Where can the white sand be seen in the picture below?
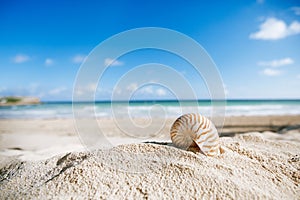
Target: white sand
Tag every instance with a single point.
(252, 167)
(39, 139)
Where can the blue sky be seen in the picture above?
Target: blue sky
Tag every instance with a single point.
(254, 44)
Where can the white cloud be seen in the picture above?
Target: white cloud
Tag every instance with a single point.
(78, 58)
(296, 10)
(49, 62)
(147, 90)
(112, 62)
(276, 63)
(298, 76)
(117, 91)
(150, 90)
(271, 72)
(92, 87)
(132, 87)
(86, 90)
(20, 58)
(57, 91)
(274, 29)
(161, 92)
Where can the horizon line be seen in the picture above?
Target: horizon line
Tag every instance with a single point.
(176, 100)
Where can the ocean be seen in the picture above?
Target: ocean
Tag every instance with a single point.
(50, 110)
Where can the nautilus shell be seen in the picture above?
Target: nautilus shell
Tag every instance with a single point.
(192, 130)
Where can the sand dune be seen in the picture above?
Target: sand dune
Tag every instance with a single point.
(253, 166)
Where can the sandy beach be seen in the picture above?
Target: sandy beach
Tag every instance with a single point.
(44, 158)
(154, 100)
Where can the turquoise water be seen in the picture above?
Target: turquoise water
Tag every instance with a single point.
(145, 108)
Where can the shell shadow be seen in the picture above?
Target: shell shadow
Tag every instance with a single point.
(194, 148)
(160, 143)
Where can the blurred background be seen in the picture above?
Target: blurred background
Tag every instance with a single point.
(253, 44)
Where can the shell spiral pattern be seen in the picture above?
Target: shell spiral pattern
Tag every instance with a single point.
(192, 130)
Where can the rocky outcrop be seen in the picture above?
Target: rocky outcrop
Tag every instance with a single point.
(17, 100)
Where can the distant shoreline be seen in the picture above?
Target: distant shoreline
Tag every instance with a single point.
(22, 100)
(42, 109)
(19, 101)
(173, 100)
